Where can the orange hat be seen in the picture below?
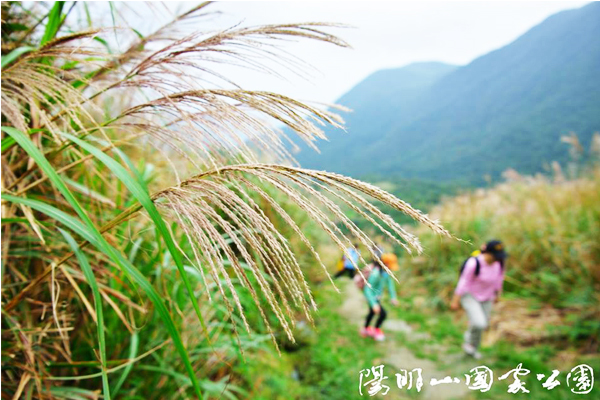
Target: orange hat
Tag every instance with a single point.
(390, 260)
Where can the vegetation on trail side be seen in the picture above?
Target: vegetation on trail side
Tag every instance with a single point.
(547, 318)
(145, 248)
(551, 228)
(544, 323)
(551, 297)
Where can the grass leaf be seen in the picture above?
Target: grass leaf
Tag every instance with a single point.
(91, 231)
(89, 276)
(138, 188)
(54, 21)
(133, 350)
(13, 55)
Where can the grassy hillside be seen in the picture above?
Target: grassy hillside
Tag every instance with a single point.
(509, 107)
(377, 104)
(551, 231)
(421, 194)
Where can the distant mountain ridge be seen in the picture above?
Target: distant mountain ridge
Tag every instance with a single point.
(505, 109)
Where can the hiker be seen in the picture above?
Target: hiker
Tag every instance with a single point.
(378, 279)
(479, 285)
(348, 262)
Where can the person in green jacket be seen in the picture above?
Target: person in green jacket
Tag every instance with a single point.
(379, 280)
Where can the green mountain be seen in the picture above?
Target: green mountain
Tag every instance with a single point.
(508, 108)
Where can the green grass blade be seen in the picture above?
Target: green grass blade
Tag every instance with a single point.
(8, 142)
(78, 227)
(66, 219)
(133, 350)
(113, 11)
(104, 43)
(134, 170)
(54, 21)
(165, 371)
(25, 142)
(88, 15)
(92, 194)
(72, 393)
(139, 190)
(16, 53)
(89, 276)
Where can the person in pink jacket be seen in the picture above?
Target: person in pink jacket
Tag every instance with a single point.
(478, 287)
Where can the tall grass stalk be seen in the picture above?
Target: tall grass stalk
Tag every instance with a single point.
(134, 197)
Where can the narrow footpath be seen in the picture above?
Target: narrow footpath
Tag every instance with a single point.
(398, 356)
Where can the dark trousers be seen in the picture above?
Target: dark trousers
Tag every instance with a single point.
(382, 316)
(350, 271)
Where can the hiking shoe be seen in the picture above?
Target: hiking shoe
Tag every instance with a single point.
(367, 332)
(378, 335)
(469, 349)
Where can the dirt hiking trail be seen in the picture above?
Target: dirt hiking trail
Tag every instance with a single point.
(397, 356)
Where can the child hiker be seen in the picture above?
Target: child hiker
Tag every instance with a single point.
(348, 267)
(378, 280)
(479, 285)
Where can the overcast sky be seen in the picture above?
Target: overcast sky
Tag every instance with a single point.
(385, 35)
